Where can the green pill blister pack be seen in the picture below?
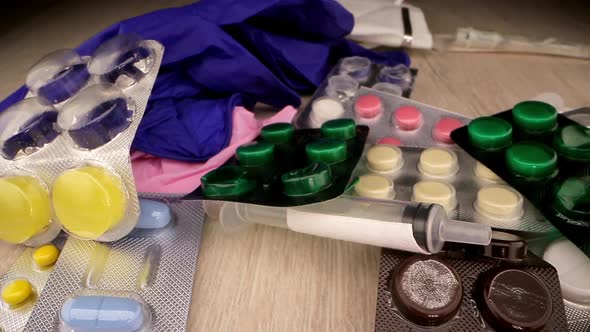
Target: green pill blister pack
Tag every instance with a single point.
(542, 154)
(288, 167)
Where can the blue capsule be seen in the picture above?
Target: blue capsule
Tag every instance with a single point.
(154, 214)
(103, 313)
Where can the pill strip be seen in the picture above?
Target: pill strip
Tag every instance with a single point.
(140, 264)
(465, 183)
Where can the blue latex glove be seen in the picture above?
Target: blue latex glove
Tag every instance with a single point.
(223, 53)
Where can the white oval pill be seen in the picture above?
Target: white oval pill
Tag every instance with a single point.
(573, 268)
(374, 186)
(438, 162)
(435, 192)
(324, 109)
(384, 158)
(499, 202)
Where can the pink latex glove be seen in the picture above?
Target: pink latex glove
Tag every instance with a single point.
(154, 174)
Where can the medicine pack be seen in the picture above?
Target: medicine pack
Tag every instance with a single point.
(542, 154)
(393, 119)
(288, 167)
(140, 283)
(500, 287)
(450, 177)
(65, 148)
(334, 97)
(24, 282)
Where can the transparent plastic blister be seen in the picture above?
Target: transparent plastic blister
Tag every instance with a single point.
(581, 116)
(467, 193)
(58, 76)
(463, 290)
(86, 139)
(97, 284)
(344, 82)
(34, 270)
(390, 117)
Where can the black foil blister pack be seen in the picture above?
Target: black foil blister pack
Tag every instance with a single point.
(468, 290)
(543, 155)
(288, 167)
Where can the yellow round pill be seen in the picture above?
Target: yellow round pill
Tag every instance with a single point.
(374, 186)
(26, 211)
(17, 292)
(46, 255)
(89, 201)
(438, 162)
(435, 192)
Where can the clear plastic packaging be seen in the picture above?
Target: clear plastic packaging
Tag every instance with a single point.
(26, 127)
(91, 128)
(26, 209)
(399, 75)
(122, 60)
(342, 87)
(357, 67)
(58, 76)
(96, 116)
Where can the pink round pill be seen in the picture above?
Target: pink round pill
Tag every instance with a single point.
(368, 106)
(442, 130)
(407, 118)
(389, 141)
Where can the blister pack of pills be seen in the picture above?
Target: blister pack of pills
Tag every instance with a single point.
(344, 82)
(542, 154)
(494, 288)
(23, 283)
(393, 119)
(288, 167)
(65, 149)
(465, 188)
(140, 283)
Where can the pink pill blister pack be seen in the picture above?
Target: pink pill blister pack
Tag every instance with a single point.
(392, 119)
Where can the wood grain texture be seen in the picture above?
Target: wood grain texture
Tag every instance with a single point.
(269, 279)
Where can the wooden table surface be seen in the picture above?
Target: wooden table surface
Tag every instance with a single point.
(269, 279)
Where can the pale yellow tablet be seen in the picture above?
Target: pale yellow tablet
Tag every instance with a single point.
(438, 162)
(435, 192)
(485, 173)
(374, 186)
(499, 202)
(383, 158)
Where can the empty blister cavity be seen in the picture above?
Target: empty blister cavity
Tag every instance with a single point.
(342, 87)
(122, 60)
(90, 200)
(325, 109)
(58, 76)
(572, 197)
(374, 186)
(499, 202)
(105, 312)
(26, 210)
(390, 88)
(357, 67)
(436, 192)
(96, 116)
(398, 75)
(384, 159)
(438, 162)
(427, 291)
(26, 127)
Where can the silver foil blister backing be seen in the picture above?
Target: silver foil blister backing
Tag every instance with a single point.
(159, 265)
(24, 268)
(466, 184)
(61, 154)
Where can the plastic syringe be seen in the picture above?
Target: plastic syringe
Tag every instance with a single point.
(415, 227)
